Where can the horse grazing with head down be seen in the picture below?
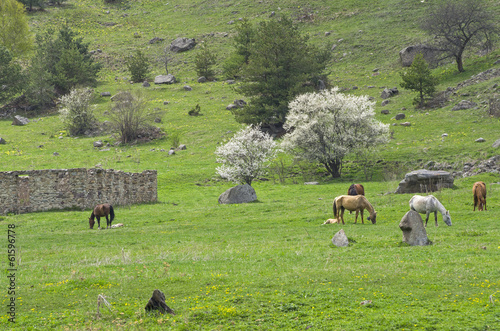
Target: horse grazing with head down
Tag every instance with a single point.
(102, 210)
(356, 189)
(479, 191)
(356, 203)
(430, 204)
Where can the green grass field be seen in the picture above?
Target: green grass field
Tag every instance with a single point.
(268, 264)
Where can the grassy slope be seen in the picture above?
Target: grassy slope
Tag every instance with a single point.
(267, 264)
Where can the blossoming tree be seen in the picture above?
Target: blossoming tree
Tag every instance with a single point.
(326, 126)
(246, 155)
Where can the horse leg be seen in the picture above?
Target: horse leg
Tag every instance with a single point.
(356, 219)
(342, 214)
(436, 217)
(426, 218)
(362, 221)
(98, 222)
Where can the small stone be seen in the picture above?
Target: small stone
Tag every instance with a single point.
(340, 239)
(480, 140)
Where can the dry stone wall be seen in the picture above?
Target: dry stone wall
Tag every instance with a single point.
(40, 190)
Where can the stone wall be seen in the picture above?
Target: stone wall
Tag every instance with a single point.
(39, 190)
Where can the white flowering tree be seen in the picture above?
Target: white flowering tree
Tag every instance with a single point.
(246, 155)
(77, 113)
(324, 127)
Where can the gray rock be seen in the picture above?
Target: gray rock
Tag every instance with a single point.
(480, 140)
(2, 141)
(340, 239)
(202, 79)
(405, 124)
(407, 54)
(321, 85)
(181, 147)
(165, 79)
(422, 181)
(20, 121)
(385, 102)
(384, 111)
(238, 194)
(311, 183)
(105, 94)
(464, 104)
(55, 154)
(389, 92)
(230, 81)
(171, 152)
(496, 144)
(182, 44)
(400, 116)
(157, 120)
(414, 232)
(146, 84)
(98, 144)
(188, 88)
(155, 40)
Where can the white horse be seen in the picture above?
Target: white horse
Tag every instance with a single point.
(428, 204)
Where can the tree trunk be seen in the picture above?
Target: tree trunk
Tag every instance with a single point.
(460, 64)
(334, 168)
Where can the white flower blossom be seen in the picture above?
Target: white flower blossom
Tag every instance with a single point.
(246, 155)
(324, 127)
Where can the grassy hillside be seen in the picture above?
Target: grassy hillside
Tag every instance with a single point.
(268, 264)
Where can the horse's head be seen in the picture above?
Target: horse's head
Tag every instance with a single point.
(373, 217)
(91, 223)
(447, 218)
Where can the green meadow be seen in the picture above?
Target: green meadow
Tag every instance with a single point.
(268, 264)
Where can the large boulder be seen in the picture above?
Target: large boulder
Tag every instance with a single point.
(464, 104)
(20, 121)
(182, 44)
(422, 181)
(340, 239)
(413, 229)
(165, 79)
(238, 194)
(389, 92)
(407, 54)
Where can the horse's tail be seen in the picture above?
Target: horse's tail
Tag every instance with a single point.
(335, 208)
(111, 213)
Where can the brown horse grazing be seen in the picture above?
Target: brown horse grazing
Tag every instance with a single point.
(100, 211)
(479, 190)
(356, 189)
(356, 203)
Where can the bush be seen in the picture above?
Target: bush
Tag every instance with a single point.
(129, 116)
(77, 113)
(138, 65)
(11, 78)
(204, 62)
(246, 155)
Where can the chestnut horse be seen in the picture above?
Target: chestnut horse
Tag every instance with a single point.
(479, 190)
(356, 203)
(100, 211)
(356, 189)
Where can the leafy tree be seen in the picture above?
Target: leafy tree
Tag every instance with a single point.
(11, 77)
(129, 115)
(456, 25)
(61, 63)
(419, 78)
(138, 65)
(245, 36)
(281, 65)
(324, 127)
(14, 29)
(246, 156)
(77, 112)
(204, 62)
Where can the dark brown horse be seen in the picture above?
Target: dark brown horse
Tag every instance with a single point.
(479, 190)
(356, 189)
(100, 211)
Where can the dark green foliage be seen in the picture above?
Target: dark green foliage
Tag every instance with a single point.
(419, 78)
(60, 64)
(204, 62)
(245, 35)
(32, 3)
(138, 65)
(11, 77)
(232, 66)
(281, 66)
